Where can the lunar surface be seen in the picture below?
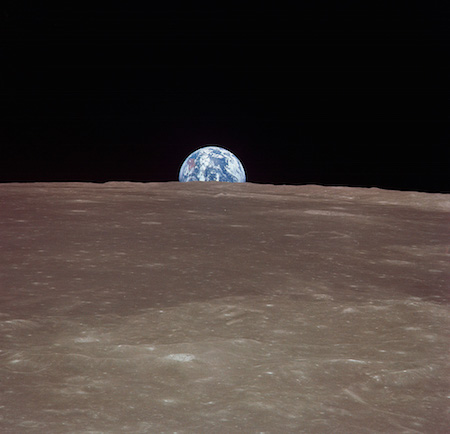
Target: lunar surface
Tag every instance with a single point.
(223, 308)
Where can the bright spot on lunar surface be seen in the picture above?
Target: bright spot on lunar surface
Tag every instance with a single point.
(212, 163)
(215, 307)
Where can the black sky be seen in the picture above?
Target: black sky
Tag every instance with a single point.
(337, 93)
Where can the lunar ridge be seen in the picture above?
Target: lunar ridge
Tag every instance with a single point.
(223, 307)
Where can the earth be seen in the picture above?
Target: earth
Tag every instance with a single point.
(212, 163)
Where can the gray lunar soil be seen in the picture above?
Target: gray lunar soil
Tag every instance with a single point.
(223, 308)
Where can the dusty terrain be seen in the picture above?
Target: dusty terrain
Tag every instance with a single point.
(222, 308)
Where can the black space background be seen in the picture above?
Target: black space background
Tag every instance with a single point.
(336, 93)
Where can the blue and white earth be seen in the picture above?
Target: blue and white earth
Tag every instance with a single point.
(212, 163)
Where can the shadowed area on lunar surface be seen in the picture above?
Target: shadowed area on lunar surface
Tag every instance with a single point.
(216, 307)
